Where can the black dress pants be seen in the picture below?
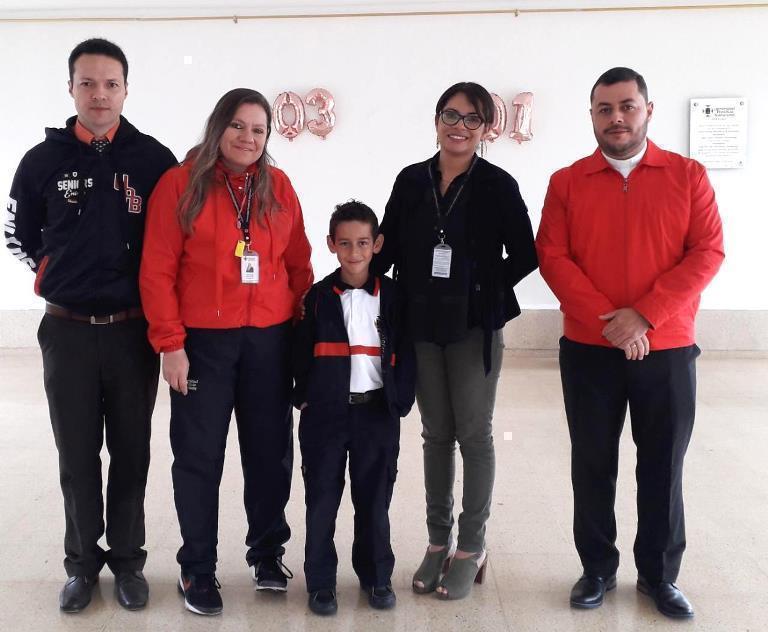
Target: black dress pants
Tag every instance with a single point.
(246, 370)
(371, 436)
(598, 384)
(100, 380)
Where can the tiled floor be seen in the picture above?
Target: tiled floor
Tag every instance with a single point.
(532, 560)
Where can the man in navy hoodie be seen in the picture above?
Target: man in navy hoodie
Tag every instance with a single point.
(76, 218)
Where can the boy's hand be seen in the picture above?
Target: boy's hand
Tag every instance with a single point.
(301, 310)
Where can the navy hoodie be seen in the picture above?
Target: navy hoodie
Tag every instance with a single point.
(76, 216)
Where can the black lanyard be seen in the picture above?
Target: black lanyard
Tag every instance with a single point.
(243, 218)
(441, 216)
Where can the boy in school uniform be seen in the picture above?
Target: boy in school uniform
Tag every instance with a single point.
(355, 377)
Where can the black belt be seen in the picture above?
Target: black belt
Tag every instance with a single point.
(367, 397)
(63, 312)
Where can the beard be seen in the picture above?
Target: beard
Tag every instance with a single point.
(621, 150)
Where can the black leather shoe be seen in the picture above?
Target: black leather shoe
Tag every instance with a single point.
(590, 590)
(76, 593)
(670, 601)
(380, 597)
(323, 602)
(131, 589)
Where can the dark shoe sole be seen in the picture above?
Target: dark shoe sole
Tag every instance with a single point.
(132, 607)
(591, 606)
(73, 610)
(323, 609)
(643, 588)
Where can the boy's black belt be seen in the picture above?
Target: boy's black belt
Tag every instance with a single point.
(367, 397)
(63, 312)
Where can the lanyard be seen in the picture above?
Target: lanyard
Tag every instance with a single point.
(243, 219)
(440, 216)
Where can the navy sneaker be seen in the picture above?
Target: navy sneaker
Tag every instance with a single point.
(271, 574)
(323, 602)
(380, 597)
(201, 593)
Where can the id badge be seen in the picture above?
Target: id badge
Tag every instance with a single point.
(249, 267)
(441, 261)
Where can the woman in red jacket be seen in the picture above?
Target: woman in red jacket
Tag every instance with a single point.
(225, 264)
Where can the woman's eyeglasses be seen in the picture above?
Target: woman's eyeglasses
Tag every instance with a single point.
(452, 117)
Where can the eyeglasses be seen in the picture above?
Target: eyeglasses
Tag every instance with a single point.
(452, 117)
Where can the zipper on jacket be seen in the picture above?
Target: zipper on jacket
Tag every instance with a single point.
(625, 189)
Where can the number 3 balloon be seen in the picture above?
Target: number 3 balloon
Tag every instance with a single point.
(323, 100)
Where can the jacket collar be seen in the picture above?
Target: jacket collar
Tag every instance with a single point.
(654, 157)
(222, 171)
(371, 286)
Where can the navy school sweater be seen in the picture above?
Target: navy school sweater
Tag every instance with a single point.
(322, 379)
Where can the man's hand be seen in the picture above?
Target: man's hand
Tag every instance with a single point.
(624, 327)
(637, 349)
(176, 370)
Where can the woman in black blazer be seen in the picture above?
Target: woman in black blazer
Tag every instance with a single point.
(458, 235)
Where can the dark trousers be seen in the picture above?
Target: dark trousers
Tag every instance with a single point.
(246, 370)
(598, 384)
(100, 380)
(371, 436)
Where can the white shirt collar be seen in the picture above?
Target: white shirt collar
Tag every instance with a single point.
(625, 167)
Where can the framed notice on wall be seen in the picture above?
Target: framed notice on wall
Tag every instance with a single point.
(719, 132)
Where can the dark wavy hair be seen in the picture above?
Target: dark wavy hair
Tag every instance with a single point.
(478, 96)
(618, 75)
(206, 153)
(353, 211)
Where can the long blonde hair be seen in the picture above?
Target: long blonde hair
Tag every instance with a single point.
(205, 155)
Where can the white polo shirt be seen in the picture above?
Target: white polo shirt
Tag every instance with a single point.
(361, 309)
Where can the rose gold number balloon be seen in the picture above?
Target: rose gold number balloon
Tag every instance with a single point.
(293, 101)
(522, 111)
(323, 125)
(499, 119)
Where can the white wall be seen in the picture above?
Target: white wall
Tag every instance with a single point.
(386, 74)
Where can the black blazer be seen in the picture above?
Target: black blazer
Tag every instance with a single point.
(498, 223)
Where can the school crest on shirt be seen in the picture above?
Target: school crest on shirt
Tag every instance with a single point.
(132, 199)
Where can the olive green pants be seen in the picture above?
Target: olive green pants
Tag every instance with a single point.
(456, 399)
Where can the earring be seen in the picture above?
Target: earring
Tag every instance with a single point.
(482, 148)
(437, 142)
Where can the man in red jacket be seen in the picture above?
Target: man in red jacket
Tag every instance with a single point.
(629, 238)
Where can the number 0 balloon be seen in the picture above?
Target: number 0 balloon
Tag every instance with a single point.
(288, 100)
(499, 119)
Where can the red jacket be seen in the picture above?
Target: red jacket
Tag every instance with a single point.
(194, 280)
(651, 242)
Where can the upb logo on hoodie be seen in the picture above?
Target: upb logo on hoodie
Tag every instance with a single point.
(132, 200)
(71, 185)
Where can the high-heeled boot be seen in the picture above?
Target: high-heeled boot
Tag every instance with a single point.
(434, 564)
(462, 573)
